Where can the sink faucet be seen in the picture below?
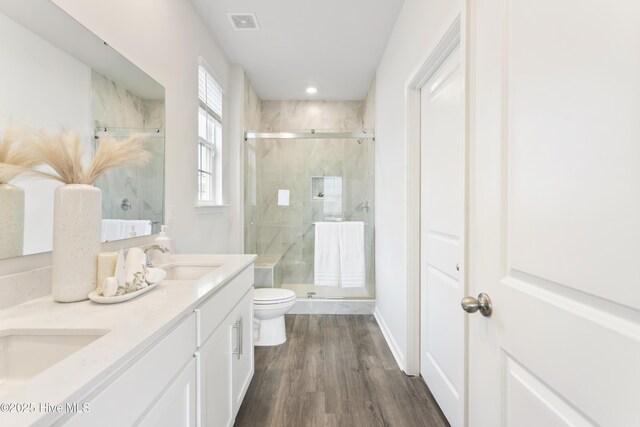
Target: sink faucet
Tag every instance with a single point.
(160, 248)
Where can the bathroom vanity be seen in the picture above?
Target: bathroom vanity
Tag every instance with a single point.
(180, 355)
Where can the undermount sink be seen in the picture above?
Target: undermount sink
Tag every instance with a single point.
(25, 353)
(188, 271)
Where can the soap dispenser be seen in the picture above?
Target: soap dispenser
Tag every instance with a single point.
(163, 239)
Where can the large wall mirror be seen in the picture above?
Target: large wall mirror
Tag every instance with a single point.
(55, 74)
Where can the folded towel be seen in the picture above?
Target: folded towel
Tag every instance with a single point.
(352, 264)
(113, 229)
(141, 227)
(118, 229)
(327, 255)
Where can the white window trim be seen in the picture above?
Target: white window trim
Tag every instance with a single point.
(217, 205)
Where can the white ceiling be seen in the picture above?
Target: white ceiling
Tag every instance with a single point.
(334, 45)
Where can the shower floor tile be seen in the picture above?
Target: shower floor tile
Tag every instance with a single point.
(302, 291)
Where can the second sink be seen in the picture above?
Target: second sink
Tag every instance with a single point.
(24, 353)
(188, 271)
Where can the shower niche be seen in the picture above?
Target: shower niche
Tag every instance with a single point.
(326, 191)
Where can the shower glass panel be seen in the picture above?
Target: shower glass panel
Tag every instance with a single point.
(293, 183)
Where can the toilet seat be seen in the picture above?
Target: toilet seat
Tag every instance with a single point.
(267, 296)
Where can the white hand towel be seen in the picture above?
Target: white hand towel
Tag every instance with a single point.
(327, 254)
(352, 264)
(113, 229)
(141, 227)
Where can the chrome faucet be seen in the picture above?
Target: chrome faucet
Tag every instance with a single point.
(160, 248)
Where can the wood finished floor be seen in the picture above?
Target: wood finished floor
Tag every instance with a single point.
(334, 370)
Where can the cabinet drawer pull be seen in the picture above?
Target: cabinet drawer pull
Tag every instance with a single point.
(237, 349)
(240, 337)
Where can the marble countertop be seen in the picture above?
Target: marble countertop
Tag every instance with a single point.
(132, 325)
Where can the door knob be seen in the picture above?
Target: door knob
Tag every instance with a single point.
(483, 303)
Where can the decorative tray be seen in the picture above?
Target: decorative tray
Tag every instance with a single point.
(93, 296)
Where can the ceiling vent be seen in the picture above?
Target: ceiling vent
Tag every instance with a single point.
(243, 21)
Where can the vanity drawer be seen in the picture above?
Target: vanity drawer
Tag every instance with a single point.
(213, 311)
(134, 391)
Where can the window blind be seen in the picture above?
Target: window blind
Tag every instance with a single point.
(209, 92)
(210, 97)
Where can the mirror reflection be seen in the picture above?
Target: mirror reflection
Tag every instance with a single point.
(55, 74)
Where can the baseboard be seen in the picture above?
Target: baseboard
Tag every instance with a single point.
(395, 349)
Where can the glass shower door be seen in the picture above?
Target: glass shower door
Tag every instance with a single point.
(290, 185)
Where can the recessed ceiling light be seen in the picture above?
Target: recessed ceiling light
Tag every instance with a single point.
(311, 90)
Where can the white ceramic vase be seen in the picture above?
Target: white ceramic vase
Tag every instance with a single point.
(11, 221)
(77, 225)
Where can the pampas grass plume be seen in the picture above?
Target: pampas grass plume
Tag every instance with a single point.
(62, 152)
(13, 160)
(112, 153)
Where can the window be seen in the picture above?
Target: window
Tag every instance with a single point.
(210, 97)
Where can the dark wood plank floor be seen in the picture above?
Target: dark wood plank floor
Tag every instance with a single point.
(334, 370)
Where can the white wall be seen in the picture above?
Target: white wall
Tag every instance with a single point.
(164, 38)
(417, 29)
(235, 108)
(36, 93)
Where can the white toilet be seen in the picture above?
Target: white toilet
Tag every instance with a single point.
(269, 307)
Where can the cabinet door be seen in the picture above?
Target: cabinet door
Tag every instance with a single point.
(214, 362)
(243, 360)
(177, 404)
(132, 393)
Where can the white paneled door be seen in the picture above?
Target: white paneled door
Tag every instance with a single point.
(442, 332)
(555, 212)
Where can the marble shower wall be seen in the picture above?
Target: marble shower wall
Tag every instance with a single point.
(282, 116)
(114, 107)
(290, 165)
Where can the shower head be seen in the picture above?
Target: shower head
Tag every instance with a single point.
(364, 206)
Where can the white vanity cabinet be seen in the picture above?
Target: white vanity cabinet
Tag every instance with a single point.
(225, 358)
(243, 360)
(177, 404)
(215, 382)
(195, 375)
(160, 374)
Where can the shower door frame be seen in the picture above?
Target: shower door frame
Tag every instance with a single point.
(311, 134)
